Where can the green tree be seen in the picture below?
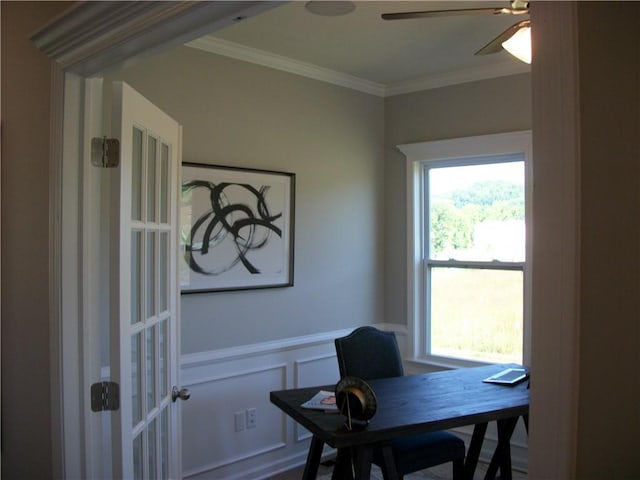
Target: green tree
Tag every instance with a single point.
(487, 193)
(454, 216)
(450, 227)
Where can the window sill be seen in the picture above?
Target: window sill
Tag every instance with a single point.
(434, 363)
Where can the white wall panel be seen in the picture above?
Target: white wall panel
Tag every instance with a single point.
(233, 380)
(210, 440)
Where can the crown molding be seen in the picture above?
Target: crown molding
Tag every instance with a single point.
(253, 55)
(445, 79)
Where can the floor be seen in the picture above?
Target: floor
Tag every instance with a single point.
(442, 472)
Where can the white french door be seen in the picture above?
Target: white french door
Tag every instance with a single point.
(144, 325)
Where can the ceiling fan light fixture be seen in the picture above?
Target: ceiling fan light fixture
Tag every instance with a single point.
(519, 44)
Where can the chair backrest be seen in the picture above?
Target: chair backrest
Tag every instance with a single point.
(369, 353)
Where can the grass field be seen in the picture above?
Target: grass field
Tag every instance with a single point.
(477, 314)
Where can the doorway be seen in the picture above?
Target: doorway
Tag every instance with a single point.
(75, 393)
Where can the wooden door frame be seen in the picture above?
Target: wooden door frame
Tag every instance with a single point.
(85, 42)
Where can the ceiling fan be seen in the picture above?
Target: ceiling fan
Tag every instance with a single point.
(519, 32)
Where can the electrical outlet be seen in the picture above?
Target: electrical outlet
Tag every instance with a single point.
(239, 421)
(252, 419)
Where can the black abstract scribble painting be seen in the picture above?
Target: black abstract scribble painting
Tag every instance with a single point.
(248, 225)
(236, 228)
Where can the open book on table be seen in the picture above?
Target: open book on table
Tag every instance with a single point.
(323, 400)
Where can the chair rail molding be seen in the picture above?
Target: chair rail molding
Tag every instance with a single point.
(193, 360)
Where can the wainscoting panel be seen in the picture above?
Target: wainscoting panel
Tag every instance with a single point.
(217, 442)
(212, 440)
(227, 382)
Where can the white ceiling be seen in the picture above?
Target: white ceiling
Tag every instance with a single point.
(362, 51)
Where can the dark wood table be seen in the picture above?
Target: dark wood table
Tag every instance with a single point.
(411, 405)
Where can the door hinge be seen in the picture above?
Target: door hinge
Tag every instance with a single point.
(105, 152)
(105, 396)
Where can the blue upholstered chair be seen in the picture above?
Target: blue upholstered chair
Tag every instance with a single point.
(369, 353)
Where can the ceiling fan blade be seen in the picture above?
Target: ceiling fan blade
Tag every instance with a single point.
(445, 13)
(495, 45)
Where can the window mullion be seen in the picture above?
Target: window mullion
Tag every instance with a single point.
(497, 265)
(426, 311)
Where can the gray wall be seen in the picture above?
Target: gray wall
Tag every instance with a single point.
(27, 449)
(586, 265)
(334, 139)
(240, 114)
(609, 338)
(478, 108)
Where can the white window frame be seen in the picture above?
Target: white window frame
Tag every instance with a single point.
(419, 154)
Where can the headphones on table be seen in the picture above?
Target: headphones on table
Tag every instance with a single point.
(356, 401)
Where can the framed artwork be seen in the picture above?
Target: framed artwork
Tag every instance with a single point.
(236, 228)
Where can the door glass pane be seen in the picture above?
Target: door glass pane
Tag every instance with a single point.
(151, 436)
(151, 274)
(163, 267)
(150, 368)
(164, 358)
(164, 444)
(136, 378)
(136, 175)
(476, 212)
(137, 457)
(164, 183)
(136, 275)
(151, 179)
(477, 314)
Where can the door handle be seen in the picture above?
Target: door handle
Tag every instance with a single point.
(182, 394)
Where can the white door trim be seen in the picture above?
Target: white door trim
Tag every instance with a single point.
(94, 37)
(556, 247)
(63, 338)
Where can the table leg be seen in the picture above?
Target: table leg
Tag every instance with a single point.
(502, 456)
(363, 462)
(342, 470)
(473, 453)
(388, 466)
(313, 459)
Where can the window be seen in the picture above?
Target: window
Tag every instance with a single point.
(469, 282)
